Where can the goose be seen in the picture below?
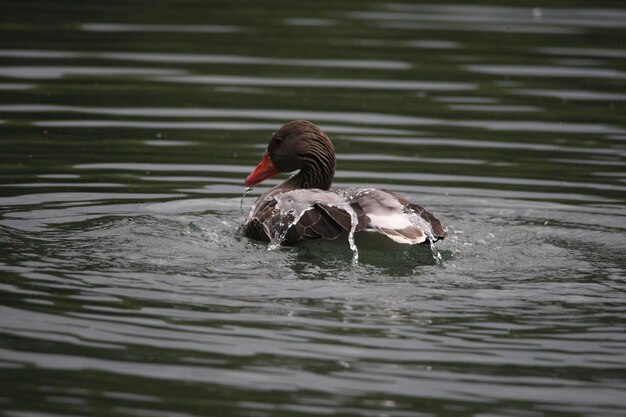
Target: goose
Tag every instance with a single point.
(304, 206)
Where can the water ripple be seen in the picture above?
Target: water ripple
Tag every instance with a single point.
(546, 71)
(473, 143)
(206, 59)
(125, 27)
(229, 126)
(128, 287)
(54, 72)
(264, 114)
(573, 94)
(319, 83)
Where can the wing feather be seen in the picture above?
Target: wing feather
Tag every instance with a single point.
(376, 210)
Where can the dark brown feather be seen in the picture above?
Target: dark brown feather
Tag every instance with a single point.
(340, 216)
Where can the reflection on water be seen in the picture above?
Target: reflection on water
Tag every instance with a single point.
(128, 288)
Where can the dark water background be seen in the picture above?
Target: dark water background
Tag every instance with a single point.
(126, 288)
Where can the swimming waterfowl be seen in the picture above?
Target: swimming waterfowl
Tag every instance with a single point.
(304, 207)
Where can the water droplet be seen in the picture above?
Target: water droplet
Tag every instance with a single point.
(436, 255)
(354, 221)
(245, 192)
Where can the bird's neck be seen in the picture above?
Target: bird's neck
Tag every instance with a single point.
(313, 175)
(306, 179)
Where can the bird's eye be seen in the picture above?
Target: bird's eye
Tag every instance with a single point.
(278, 140)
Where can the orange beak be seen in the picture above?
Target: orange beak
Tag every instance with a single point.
(263, 171)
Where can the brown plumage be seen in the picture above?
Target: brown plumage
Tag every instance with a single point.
(320, 213)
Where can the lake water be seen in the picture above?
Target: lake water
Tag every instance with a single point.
(127, 288)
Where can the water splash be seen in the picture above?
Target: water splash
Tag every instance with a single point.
(292, 205)
(296, 204)
(277, 239)
(354, 221)
(425, 226)
(436, 254)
